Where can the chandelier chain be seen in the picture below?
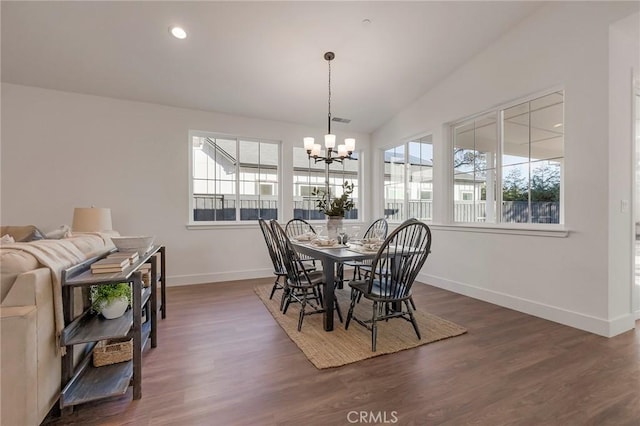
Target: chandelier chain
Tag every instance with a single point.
(329, 116)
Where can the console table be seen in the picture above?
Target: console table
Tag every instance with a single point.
(81, 381)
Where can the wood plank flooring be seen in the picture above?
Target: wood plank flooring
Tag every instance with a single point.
(223, 360)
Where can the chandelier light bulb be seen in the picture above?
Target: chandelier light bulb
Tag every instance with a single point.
(330, 141)
(350, 143)
(308, 143)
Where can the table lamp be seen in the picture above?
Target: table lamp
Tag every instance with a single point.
(91, 219)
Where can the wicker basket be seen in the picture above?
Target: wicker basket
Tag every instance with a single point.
(106, 353)
(146, 274)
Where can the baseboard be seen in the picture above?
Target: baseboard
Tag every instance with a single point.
(600, 326)
(180, 280)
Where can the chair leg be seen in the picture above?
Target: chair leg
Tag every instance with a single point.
(340, 274)
(304, 304)
(287, 301)
(413, 305)
(285, 295)
(374, 327)
(275, 287)
(350, 313)
(413, 320)
(320, 297)
(337, 305)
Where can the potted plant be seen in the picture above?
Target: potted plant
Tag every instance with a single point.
(111, 300)
(334, 208)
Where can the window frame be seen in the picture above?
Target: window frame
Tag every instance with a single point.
(406, 167)
(237, 222)
(449, 131)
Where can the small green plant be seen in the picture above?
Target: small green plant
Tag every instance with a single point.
(339, 205)
(106, 293)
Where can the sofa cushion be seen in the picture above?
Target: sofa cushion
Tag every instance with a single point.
(7, 239)
(22, 234)
(12, 264)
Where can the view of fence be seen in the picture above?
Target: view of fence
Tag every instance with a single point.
(468, 211)
(218, 208)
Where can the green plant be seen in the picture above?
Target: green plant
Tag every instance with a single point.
(106, 293)
(337, 206)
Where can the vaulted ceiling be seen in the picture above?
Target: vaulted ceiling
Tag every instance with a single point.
(253, 59)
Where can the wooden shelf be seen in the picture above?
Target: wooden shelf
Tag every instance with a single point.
(90, 327)
(93, 383)
(83, 381)
(98, 382)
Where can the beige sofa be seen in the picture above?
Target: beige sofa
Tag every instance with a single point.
(30, 359)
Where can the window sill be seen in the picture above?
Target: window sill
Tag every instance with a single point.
(223, 225)
(556, 231)
(254, 224)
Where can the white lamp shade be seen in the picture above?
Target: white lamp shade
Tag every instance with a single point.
(308, 143)
(329, 141)
(350, 144)
(315, 151)
(342, 150)
(91, 219)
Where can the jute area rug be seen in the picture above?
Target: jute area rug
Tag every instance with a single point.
(340, 346)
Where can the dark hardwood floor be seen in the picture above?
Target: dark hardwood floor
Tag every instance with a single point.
(223, 360)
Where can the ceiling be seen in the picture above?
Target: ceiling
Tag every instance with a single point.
(252, 59)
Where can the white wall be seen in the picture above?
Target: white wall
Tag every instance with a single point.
(563, 279)
(624, 63)
(64, 150)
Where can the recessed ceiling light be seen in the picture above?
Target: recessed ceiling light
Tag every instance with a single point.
(178, 32)
(366, 21)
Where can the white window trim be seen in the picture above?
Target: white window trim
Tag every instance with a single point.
(556, 229)
(191, 224)
(405, 142)
(538, 230)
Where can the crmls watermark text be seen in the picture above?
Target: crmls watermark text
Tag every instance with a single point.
(372, 417)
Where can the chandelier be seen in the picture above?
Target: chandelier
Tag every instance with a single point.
(343, 151)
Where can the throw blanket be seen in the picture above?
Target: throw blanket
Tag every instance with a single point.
(55, 255)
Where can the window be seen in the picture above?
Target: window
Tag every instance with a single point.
(408, 180)
(233, 179)
(308, 175)
(519, 148)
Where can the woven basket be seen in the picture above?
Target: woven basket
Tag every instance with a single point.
(106, 353)
(146, 274)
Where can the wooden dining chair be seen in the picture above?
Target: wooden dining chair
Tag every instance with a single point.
(379, 227)
(278, 264)
(295, 228)
(303, 286)
(393, 272)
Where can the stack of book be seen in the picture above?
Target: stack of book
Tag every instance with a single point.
(131, 255)
(115, 262)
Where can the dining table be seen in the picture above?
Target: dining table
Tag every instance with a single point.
(330, 256)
